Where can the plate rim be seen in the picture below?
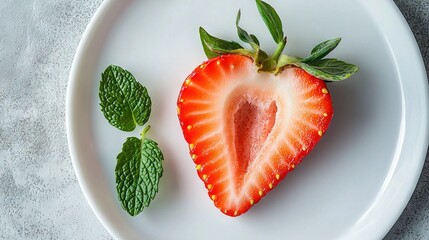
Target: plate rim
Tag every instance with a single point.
(404, 31)
(96, 19)
(370, 232)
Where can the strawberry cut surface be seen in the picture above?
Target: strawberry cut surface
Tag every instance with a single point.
(247, 129)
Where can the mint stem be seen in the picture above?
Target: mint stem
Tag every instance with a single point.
(145, 130)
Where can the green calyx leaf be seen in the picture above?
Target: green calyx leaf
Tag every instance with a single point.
(321, 50)
(271, 19)
(329, 69)
(214, 46)
(138, 172)
(315, 64)
(124, 102)
(244, 36)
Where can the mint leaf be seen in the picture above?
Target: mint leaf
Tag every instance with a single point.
(138, 172)
(329, 69)
(214, 46)
(124, 102)
(271, 19)
(321, 50)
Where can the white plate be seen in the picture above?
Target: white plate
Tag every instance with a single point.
(354, 185)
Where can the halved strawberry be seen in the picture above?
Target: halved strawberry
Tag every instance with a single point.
(247, 129)
(250, 118)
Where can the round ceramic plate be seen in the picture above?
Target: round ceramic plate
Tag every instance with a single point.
(355, 183)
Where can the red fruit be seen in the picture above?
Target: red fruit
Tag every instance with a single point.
(247, 129)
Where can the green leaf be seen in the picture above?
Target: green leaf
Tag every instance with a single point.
(255, 39)
(124, 102)
(329, 69)
(271, 19)
(138, 172)
(214, 46)
(244, 36)
(322, 49)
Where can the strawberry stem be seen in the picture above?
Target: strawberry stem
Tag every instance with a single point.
(280, 47)
(270, 64)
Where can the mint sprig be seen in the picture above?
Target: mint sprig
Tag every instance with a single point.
(138, 171)
(125, 103)
(315, 64)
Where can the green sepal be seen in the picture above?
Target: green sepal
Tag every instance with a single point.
(329, 69)
(244, 36)
(321, 50)
(255, 40)
(214, 46)
(325, 69)
(271, 19)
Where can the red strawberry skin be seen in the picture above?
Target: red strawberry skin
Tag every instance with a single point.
(247, 129)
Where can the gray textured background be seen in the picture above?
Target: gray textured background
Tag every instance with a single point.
(39, 195)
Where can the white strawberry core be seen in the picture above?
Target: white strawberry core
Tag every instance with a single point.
(253, 116)
(252, 123)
